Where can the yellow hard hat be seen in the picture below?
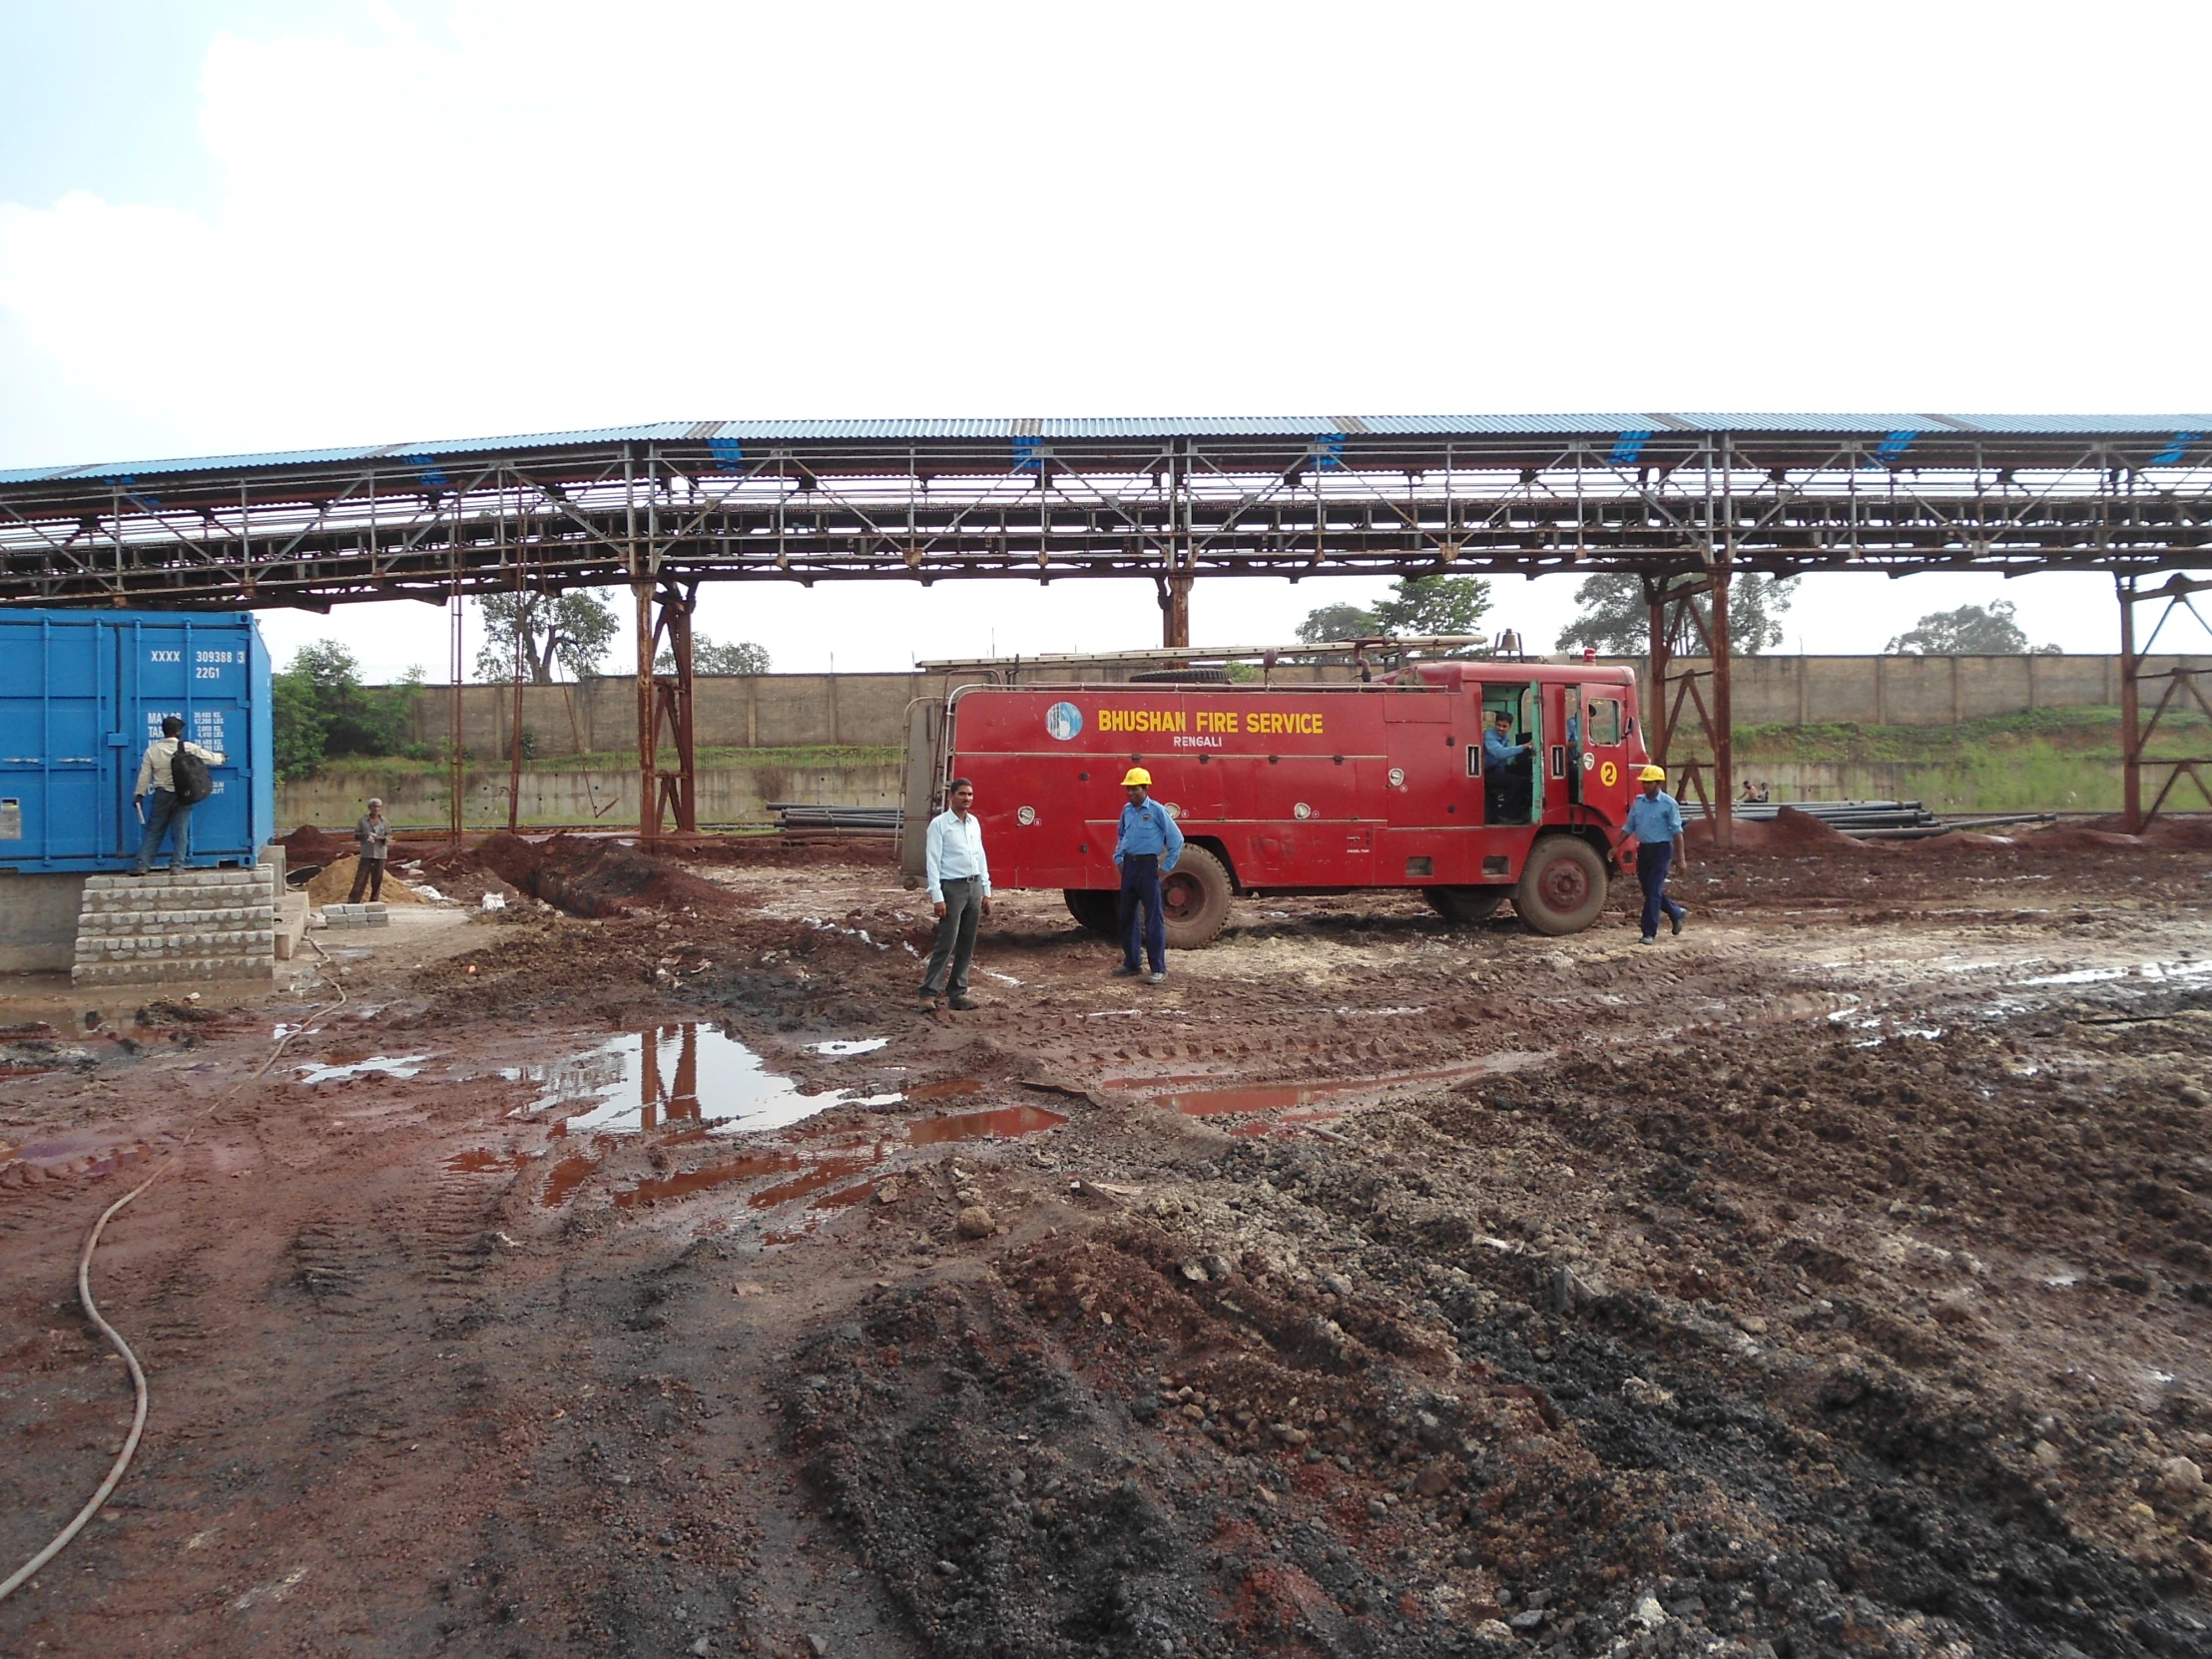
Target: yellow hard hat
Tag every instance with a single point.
(1652, 775)
(1137, 774)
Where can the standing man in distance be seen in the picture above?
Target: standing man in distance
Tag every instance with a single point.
(1655, 821)
(373, 835)
(1145, 848)
(168, 812)
(959, 893)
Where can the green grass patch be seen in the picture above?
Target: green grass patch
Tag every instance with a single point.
(2048, 759)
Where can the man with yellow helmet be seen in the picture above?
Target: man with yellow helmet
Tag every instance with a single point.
(1654, 821)
(1145, 848)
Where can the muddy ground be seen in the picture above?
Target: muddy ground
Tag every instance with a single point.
(1835, 1278)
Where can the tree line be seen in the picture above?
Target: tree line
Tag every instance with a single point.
(1615, 619)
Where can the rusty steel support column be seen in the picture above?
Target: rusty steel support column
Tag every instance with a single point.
(676, 794)
(1175, 589)
(649, 759)
(1723, 732)
(1656, 722)
(2131, 712)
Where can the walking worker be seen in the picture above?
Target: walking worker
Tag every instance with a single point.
(959, 891)
(373, 835)
(1145, 847)
(170, 810)
(1654, 821)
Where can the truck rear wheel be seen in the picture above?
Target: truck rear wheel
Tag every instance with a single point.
(1196, 894)
(1096, 910)
(1464, 906)
(1561, 887)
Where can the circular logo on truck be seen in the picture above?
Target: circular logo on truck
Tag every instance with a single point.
(1063, 721)
(1026, 815)
(1609, 775)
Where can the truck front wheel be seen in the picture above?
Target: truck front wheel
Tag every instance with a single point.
(1561, 887)
(1196, 894)
(1464, 906)
(1096, 910)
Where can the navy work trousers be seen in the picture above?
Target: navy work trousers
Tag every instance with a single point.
(165, 812)
(1652, 863)
(1144, 920)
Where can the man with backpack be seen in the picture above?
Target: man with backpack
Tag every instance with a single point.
(1146, 848)
(176, 771)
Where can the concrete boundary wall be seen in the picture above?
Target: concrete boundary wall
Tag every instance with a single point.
(790, 711)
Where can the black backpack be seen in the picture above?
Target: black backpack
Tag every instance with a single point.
(189, 773)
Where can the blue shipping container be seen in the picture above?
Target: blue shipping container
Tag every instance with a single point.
(81, 693)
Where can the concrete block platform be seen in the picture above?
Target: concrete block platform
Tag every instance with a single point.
(191, 924)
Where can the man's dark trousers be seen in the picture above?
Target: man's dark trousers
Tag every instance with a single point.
(963, 903)
(1652, 864)
(1144, 918)
(164, 811)
(368, 874)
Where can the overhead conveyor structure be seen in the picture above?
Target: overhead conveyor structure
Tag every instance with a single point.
(1683, 501)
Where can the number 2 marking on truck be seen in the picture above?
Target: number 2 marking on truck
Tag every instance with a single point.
(1609, 774)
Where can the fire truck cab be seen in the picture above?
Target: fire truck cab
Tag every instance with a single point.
(1307, 789)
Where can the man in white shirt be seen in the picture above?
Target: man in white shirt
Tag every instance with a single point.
(167, 812)
(959, 891)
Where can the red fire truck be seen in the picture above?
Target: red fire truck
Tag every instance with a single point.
(1314, 788)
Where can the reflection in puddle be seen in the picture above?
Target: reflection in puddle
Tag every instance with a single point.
(688, 1073)
(405, 1065)
(840, 1049)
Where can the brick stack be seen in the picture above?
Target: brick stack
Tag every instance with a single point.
(182, 925)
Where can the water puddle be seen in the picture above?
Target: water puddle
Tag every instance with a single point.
(1008, 1123)
(2142, 970)
(81, 1156)
(1285, 1097)
(948, 1090)
(812, 1175)
(841, 1047)
(679, 1074)
(405, 1065)
(567, 1175)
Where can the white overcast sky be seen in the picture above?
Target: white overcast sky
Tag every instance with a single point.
(245, 223)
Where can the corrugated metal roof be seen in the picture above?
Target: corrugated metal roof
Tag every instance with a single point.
(1079, 428)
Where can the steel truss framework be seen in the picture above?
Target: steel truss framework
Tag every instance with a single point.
(662, 509)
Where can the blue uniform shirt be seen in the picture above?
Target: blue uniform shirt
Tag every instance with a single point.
(1149, 828)
(1497, 751)
(1653, 819)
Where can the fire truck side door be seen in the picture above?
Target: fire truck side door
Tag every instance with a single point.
(1604, 745)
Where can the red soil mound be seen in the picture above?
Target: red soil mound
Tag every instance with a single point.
(310, 845)
(587, 875)
(1788, 832)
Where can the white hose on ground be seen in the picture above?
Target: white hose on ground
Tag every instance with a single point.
(61, 1540)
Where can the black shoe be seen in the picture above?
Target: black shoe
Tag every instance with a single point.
(1125, 971)
(1676, 923)
(961, 1004)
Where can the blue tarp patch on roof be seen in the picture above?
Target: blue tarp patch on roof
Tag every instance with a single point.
(2179, 430)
